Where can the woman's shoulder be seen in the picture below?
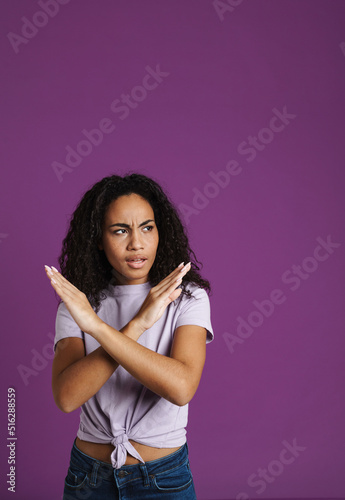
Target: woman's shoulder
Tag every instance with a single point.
(196, 293)
(195, 309)
(195, 289)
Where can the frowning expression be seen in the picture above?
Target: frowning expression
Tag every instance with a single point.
(130, 239)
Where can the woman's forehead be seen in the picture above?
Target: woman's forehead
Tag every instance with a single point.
(131, 207)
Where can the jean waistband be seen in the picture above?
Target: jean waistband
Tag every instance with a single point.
(127, 472)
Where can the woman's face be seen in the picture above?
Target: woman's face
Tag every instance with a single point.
(130, 239)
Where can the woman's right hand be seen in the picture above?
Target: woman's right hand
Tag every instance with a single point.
(159, 297)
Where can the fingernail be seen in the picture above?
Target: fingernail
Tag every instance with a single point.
(178, 280)
(53, 281)
(49, 271)
(54, 268)
(185, 267)
(181, 265)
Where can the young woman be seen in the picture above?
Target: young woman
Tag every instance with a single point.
(130, 342)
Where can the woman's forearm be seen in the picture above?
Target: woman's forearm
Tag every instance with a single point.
(166, 376)
(163, 375)
(81, 380)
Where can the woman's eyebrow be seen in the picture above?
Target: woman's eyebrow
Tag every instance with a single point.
(121, 224)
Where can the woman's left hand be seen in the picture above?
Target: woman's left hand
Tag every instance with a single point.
(76, 301)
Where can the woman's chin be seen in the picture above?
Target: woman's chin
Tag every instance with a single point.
(130, 277)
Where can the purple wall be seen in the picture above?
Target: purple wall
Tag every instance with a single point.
(243, 124)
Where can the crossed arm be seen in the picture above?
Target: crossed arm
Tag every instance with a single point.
(77, 377)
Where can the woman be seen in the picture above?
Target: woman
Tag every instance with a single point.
(130, 340)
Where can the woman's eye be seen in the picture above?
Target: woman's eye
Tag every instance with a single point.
(146, 229)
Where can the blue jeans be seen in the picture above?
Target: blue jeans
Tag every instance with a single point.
(169, 477)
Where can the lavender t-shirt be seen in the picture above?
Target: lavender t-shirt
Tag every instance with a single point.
(123, 408)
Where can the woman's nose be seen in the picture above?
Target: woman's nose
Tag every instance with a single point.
(135, 240)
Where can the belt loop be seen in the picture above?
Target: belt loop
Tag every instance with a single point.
(145, 475)
(93, 480)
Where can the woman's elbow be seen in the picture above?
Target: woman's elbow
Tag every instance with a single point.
(63, 402)
(63, 405)
(183, 393)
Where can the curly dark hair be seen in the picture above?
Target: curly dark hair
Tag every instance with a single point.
(87, 267)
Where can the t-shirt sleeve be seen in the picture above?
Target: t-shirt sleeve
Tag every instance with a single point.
(65, 326)
(196, 310)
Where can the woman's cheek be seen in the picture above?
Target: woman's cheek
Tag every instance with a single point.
(154, 239)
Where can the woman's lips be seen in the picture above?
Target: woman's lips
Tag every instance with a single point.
(137, 263)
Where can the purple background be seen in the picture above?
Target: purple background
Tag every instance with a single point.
(225, 73)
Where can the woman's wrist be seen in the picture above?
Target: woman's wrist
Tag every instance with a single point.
(134, 329)
(97, 329)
